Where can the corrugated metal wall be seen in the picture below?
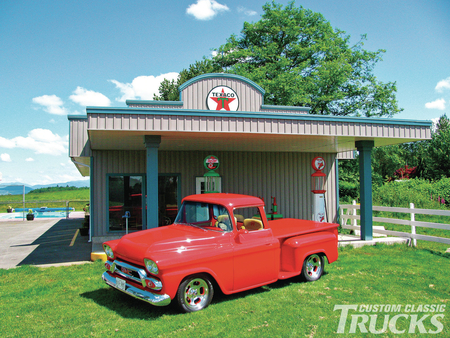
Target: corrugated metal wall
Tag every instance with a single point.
(162, 123)
(286, 176)
(79, 145)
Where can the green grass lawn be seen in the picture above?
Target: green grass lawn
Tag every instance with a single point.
(30, 199)
(73, 301)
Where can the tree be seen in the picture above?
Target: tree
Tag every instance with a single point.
(437, 160)
(300, 60)
(168, 90)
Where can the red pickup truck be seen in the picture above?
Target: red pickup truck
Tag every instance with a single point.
(217, 240)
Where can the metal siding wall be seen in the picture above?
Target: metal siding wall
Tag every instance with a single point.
(161, 122)
(79, 142)
(285, 176)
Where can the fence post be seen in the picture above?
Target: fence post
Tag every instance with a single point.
(354, 221)
(413, 227)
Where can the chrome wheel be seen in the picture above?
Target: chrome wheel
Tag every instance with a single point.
(313, 267)
(195, 293)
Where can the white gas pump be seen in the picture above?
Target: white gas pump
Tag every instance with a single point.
(318, 189)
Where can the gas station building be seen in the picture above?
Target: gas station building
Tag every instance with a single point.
(144, 158)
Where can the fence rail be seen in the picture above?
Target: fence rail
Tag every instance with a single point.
(351, 214)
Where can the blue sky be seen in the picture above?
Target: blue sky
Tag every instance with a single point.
(57, 57)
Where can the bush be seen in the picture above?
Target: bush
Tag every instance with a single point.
(423, 193)
(348, 190)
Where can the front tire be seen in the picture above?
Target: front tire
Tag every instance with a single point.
(195, 293)
(313, 267)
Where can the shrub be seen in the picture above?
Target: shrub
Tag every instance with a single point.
(423, 193)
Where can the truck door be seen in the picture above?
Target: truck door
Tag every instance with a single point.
(256, 251)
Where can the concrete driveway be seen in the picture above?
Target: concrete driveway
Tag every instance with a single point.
(43, 242)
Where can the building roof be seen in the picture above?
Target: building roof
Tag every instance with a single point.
(190, 125)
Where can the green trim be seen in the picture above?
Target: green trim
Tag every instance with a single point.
(338, 207)
(222, 76)
(256, 115)
(73, 117)
(267, 106)
(156, 103)
(92, 230)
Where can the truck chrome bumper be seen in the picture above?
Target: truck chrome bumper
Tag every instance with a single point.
(149, 297)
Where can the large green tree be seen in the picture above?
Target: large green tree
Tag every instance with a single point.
(437, 153)
(168, 90)
(300, 60)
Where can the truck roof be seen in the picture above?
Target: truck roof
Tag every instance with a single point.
(226, 199)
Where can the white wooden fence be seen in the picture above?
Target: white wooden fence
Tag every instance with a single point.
(351, 214)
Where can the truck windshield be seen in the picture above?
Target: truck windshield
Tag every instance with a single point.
(204, 215)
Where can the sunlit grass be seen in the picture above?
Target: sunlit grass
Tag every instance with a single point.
(73, 301)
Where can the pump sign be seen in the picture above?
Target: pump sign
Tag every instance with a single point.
(222, 98)
(318, 163)
(211, 162)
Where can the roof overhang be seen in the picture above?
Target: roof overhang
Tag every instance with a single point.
(125, 129)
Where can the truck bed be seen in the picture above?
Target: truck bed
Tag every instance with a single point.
(289, 227)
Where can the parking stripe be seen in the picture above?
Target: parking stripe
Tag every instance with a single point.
(74, 237)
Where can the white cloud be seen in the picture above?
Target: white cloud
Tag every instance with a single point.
(142, 87)
(242, 9)
(206, 9)
(443, 84)
(41, 141)
(29, 159)
(5, 157)
(86, 97)
(438, 104)
(51, 103)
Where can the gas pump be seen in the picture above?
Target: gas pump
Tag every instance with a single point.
(318, 189)
(212, 178)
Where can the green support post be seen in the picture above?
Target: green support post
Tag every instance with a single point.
(365, 176)
(152, 143)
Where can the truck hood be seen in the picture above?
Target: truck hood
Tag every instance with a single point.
(165, 242)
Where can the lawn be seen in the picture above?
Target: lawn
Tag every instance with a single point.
(53, 199)
(73, 301)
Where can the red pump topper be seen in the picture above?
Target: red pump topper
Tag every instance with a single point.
(318, 189)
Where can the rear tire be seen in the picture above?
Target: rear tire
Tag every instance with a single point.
(195, 293)
(313, 267)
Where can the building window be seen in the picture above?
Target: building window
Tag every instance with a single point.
(125, 194)
(200, 185)
(168, 198)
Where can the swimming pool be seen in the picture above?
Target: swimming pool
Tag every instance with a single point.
(42, 212)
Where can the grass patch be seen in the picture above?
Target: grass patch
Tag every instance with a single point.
(73, 301)
(59, 199)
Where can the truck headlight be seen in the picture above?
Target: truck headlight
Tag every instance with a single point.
(108, 251)
(151, 266)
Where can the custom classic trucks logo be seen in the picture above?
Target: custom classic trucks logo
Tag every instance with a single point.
(222, 98)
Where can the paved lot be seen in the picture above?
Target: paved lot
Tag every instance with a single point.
(42, 242)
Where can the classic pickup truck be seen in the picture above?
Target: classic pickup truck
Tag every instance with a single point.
(217, 240)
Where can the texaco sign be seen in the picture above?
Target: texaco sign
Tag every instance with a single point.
(222, 98)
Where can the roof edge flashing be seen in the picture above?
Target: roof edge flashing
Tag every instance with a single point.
(221, 75)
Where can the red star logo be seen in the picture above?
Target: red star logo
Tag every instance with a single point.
(223, 101)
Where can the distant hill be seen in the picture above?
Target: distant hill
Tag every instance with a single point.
(17, 188)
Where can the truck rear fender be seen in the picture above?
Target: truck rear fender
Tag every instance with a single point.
(295, 249)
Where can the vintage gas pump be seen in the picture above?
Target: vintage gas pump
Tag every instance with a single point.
(318, 189)
(212, 178)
